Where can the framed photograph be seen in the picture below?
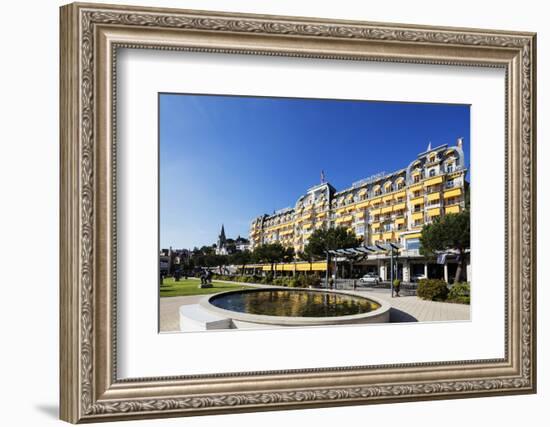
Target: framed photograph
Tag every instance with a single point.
(266, 212)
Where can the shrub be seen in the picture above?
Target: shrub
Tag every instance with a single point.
(279, 281)
(432, 289)
(267, 279)
(460, 293)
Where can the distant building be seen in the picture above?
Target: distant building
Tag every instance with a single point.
(226, 246)
(171, 259)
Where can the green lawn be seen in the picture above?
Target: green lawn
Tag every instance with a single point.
(184, 287)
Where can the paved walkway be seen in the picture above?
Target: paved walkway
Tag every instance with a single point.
(404, 309)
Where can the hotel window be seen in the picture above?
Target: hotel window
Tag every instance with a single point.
(388, 227)
(360, 229)
(416, 194)
(416, 178)
(450, 167)
(412, 244)
(432, 172)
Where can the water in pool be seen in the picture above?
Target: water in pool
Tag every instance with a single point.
(294, 303)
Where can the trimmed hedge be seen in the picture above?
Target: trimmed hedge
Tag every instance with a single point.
(432, 289)
(460, 293)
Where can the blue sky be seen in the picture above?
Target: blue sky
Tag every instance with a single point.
(228, 159)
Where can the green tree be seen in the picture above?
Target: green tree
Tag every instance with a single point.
(323, 240)
(452, 231)
(241, 258)
(271, 253)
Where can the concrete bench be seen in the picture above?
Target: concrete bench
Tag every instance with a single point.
(195, 318)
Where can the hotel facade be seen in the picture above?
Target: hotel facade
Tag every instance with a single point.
(387, 207)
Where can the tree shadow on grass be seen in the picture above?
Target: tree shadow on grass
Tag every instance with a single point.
(399, 316)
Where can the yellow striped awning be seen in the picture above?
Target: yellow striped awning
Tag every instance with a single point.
(321, 214)
(386, 209)
(415, 188)
(387, 235)
(305, 266)
(452, 193)
(387, 198)
(375, 225)
(376, 200)
(399, 206)
(306, 216)
(399, 194)
(434, 181)
(362, 205)
(434, 212)
(360, 215)
(306, 226)
(400, 221)
(266, 268)
(452, 209)
(319, 266)
(375, 211)
(417, 201)
(288, 267)
(417, 215)
(413, 236)
(433, 196)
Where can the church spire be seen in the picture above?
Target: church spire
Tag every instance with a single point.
(222, 234)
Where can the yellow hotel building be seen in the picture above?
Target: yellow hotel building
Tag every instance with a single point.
(383, 208)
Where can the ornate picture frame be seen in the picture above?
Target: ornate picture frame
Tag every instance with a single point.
(90, 37)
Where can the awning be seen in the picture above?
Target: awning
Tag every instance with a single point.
(386, 209)
(418, 201)
(387, 235)
(412, 236)
(433, 196)
(376, 200)
(400, 221)
(360, 215)
(415, 188)
(418, 215)
(452, 193)
(303, 266)
(434, 212)
(399, 206)
(362, 205)
(452, 209)
(387, 198)
(399, 194)
(319, 266)
(434, 181)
